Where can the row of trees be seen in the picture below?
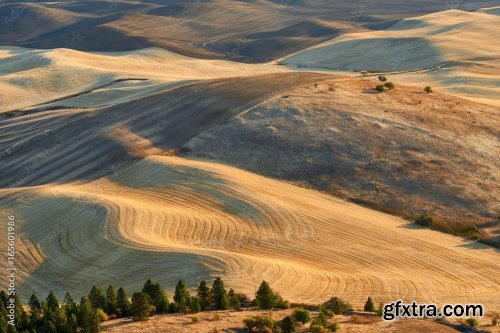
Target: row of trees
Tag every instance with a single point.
(48, 316)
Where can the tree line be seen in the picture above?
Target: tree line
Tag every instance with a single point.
(50, 316)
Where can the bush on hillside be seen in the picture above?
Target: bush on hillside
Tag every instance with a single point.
(425, 221)
(389, 85)
(472, 322)
(334, 327)
(302, 316)
(287, 325)
(317, 329)
(259, 322)
(337, 305)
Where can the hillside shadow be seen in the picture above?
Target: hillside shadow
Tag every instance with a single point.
(80, 251)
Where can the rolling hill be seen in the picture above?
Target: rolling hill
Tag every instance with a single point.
(454, 50)
(170, 218)
(237, 30)
(245, 139)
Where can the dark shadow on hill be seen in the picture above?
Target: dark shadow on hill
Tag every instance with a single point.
(97, 259)
(77, 147)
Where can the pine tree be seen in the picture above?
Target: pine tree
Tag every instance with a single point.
(69, 304)
(140, 308)
(18, 309)
(194, 305)
(60, 319)
(3, 318)
(35, 308)
(148, 287)
(72, 324)
(163, 303)
(234, 300)
(51, 328)
(182, 307)
(122, 303)
(181, 291)
(52, 303)
(4, 298)
(97, 298)
(110, 300)
(205, 296)
(265, 296)
(3, 324)
(380, 309)
(34, 304)
(156, 295)
(68, 299)
(369, 306)
(219, 295)
(24, 322)
(87, 317)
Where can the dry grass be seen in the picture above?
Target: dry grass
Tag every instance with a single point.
(403, 152)
(232, 322)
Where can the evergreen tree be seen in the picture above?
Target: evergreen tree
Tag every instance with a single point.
(148, 288)
(60, 319)
(24, 322)
(265, 296)
(52, 303)
(219, 295)
(3, 318)
(194, 305)
(69, 304)
(157, 296)
(51, 328)
(163, 303)
(140, 308)
(35, 308)
(18, 310)
(369, 306)
(172, 308)
(72, 324)
(110, 300)
(205, 296)
(380, 309)
(183, 305)
(122, 303)
(234, 300)
(181, 291)
(97, 298)
(68, 299)
(87, 317)
(34, 304)
(4, 298)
